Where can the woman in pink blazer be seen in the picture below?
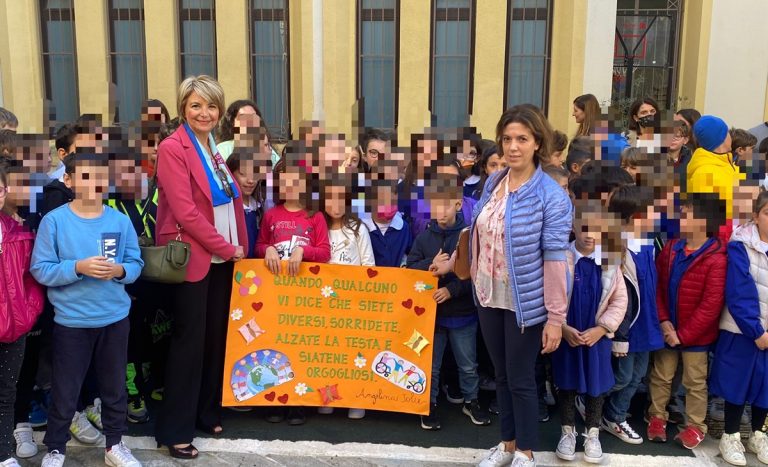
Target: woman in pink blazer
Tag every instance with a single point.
(199, 201)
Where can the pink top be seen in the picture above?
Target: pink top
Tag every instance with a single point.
(491, 276)
(285, 230)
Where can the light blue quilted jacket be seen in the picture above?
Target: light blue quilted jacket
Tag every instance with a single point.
(537, 226)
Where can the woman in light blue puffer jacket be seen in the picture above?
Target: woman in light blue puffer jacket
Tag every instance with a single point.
(520, 233)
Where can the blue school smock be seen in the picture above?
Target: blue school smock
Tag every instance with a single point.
(584, 369)
(645, 334)
(740, 369)
(252, 227)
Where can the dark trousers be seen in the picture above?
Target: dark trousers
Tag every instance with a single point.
(38, 339)
(733, 414)
(73, 351)
(195, 365)
(514, 356)
(148, 297)
(11, 358)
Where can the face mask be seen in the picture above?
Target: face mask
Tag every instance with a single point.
(386, 212)
(647, 122)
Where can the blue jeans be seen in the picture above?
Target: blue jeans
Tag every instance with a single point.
(628, 372)
(464, 345)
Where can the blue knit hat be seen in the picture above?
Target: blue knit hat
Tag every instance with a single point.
(710, 132)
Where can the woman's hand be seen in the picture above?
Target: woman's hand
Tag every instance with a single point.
(294, 262)
(239, 253)
(592, 335)
(762, 341)
(550, 338)
(572, 336)
(442, 264)
(272, 260)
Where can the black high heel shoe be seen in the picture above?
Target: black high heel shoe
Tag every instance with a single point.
(189, 452)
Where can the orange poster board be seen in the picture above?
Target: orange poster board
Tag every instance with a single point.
(339, 336)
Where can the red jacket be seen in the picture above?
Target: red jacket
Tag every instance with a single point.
(21, 297)
(700, 295)
(184, 198)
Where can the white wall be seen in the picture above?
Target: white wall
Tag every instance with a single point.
(737, 74)
(598, 53)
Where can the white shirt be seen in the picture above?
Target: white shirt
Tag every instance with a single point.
(351, 249)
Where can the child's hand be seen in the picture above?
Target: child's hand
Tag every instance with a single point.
(667, 327)
(116, 272)
(95, 266)
(592, 335)
(442, 264)
(671, 339)
(619, 354)
(294, 262)
(272, 260)
(442, 295)
(762, 341)
(572, 336)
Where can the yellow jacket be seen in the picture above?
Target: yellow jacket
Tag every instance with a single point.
(709, 172)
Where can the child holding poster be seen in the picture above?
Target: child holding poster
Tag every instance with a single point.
(291, 232)
(350, 243)
(85, 253)
(456, 312)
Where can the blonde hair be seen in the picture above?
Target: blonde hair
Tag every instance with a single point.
(206, 87)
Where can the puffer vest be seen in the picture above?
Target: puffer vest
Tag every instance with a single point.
(758, 269)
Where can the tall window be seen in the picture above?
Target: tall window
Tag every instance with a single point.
(452, 45)
(198, 37)
(528, 52)
(269, 64)
(57, 26)
(377, 61)
(646, 53)
(127, 57)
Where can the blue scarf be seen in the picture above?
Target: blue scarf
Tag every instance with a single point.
(218, 195)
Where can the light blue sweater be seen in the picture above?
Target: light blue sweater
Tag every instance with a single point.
(65, 238)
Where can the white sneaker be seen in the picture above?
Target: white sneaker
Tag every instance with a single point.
(25, 444)
(732, 450)
(120, 456)
(10, 462)
(82, 429)
(593, 450)
(566, 447)
(93, 413)
(622, 431)
(325, 410)
(521, 460)
(497, 457)
(356, 414)
(758, 443)
(53, 459)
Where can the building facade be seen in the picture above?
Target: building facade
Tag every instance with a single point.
(398, 64)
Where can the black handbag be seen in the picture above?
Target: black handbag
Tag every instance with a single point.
(166, 264)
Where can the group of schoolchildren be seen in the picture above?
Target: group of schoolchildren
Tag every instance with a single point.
(636, 308)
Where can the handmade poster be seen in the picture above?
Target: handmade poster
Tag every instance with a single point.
(339, 336)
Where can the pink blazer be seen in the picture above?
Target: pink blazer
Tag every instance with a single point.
(184, 198)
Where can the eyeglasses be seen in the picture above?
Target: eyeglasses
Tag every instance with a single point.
(3, 191)
(375, 154)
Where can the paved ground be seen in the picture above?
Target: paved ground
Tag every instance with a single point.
(381, 439)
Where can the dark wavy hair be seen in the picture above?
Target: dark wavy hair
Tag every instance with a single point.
(531, 117)
(227, 126)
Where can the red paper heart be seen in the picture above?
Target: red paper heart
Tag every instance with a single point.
(408, 303)
(257, 306)
(270, 397)
(372, 273)
(314, 269)
(283, 399)
(419, 310)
